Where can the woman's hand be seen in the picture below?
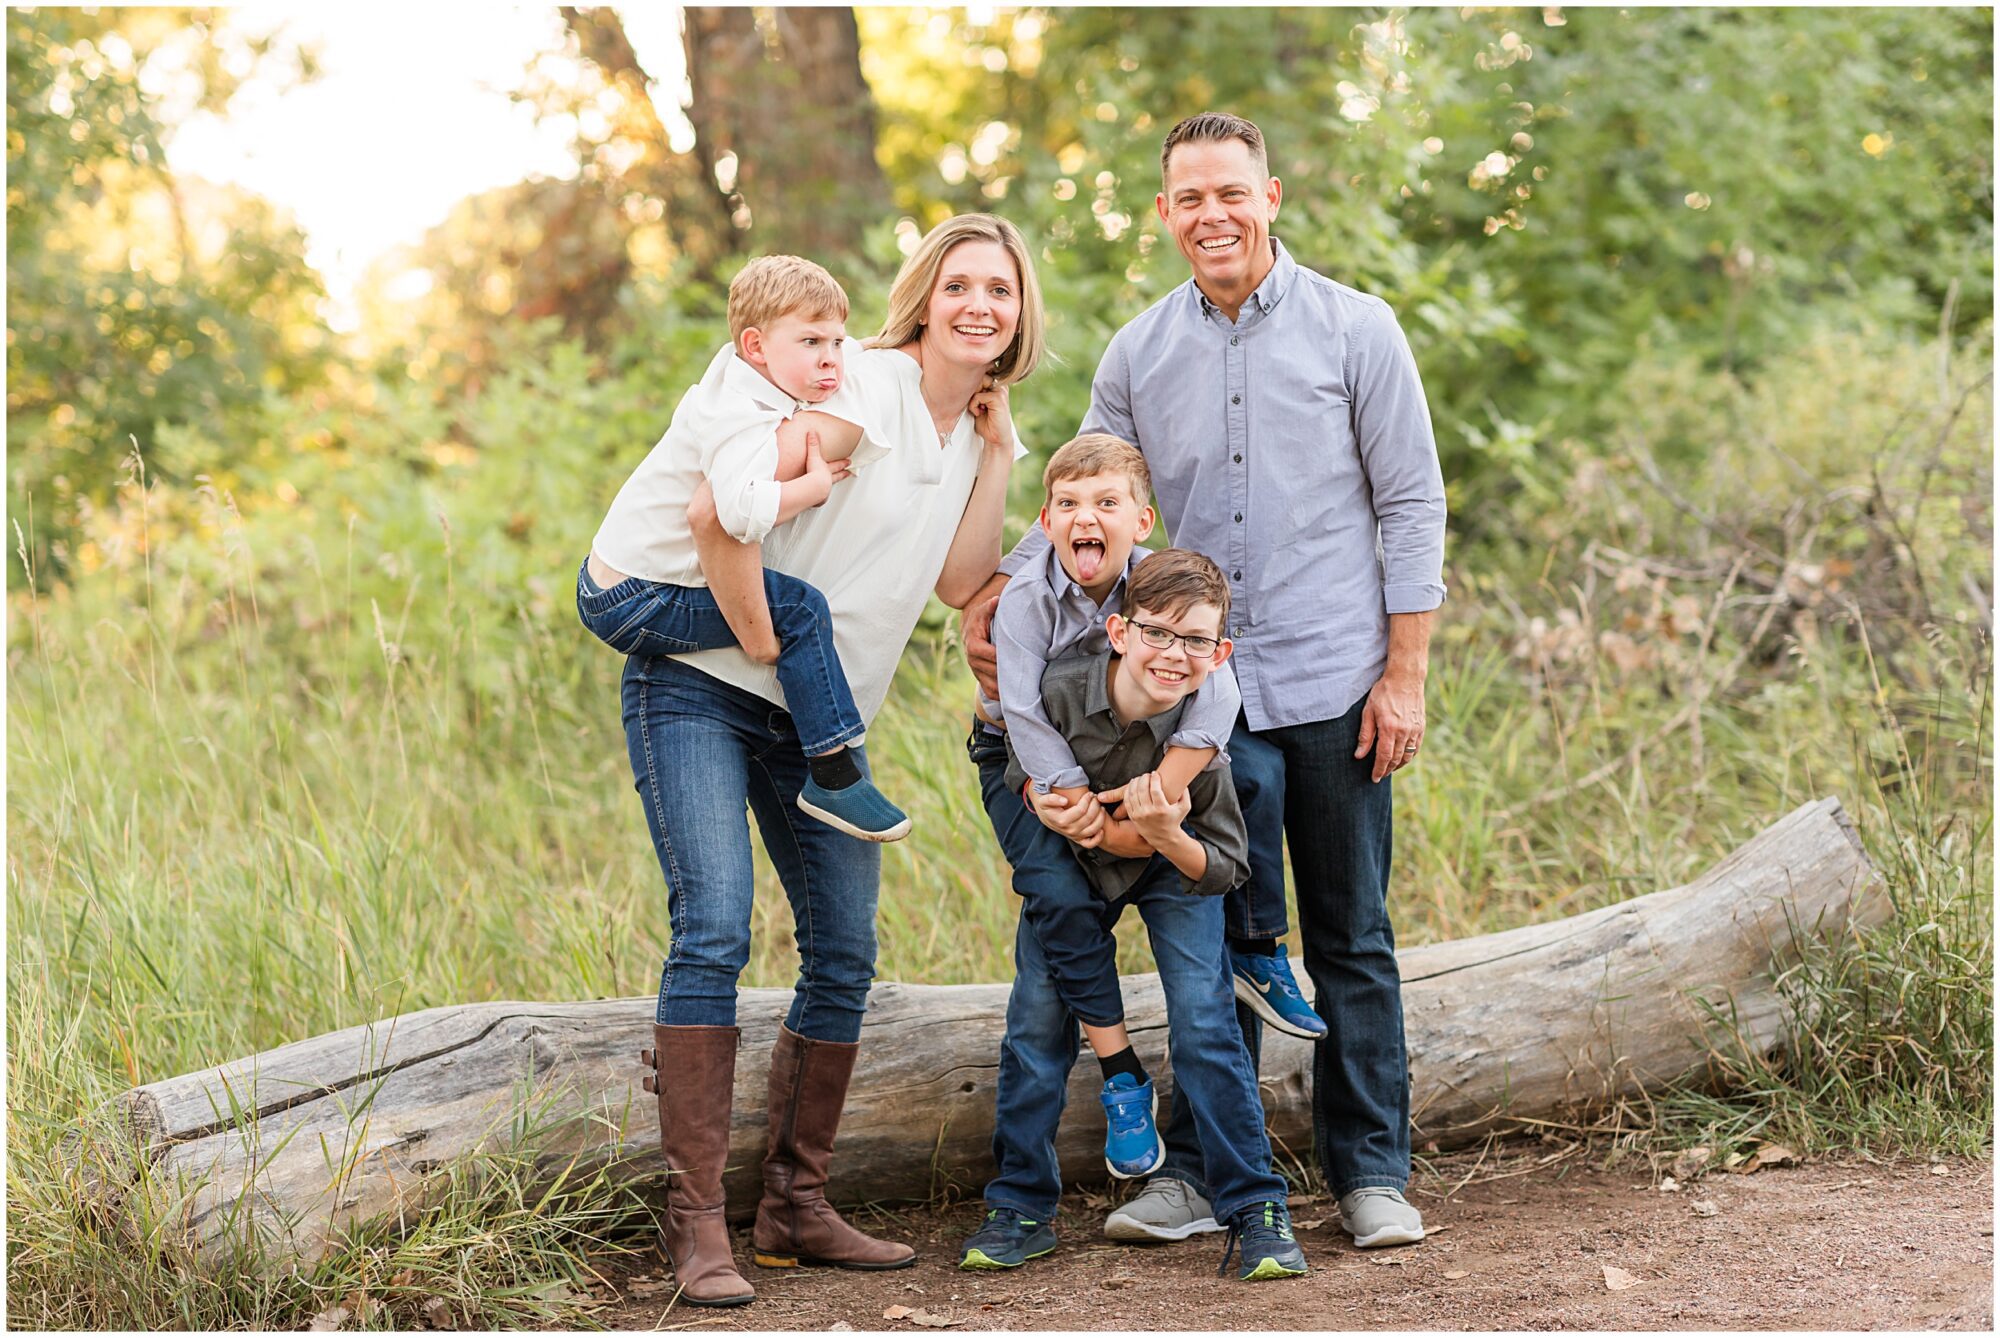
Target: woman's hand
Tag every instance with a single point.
(992, 416)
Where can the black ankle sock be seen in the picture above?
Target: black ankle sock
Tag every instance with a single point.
(835, 770)
(1122, 1062)
(1257, 947)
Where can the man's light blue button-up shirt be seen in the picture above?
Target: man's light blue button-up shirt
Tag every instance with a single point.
(1293, 446)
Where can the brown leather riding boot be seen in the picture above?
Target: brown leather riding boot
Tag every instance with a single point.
(700, 1067)
(795, 1223)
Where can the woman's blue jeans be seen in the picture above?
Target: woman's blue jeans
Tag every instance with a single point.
(700, 749)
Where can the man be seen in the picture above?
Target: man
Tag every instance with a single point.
(1329, 520)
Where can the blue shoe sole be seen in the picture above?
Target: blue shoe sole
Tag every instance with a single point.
(1261, 1006)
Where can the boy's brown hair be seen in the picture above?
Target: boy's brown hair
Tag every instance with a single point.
(1096, 453)
(1213, 128)
(773, 286)
(1174, 580)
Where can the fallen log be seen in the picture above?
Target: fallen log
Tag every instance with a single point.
(1549, 1021)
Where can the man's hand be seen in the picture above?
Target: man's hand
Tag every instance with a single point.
(1156, 817)
(1076, 815)
(976, 631)
(1392, 723)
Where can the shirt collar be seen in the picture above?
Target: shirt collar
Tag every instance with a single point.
(740, 378)
(1097, 701)
(1268, 293)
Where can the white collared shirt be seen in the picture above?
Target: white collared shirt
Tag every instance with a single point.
(879, 544)
(725, 429)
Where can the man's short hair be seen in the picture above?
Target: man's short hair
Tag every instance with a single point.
(1174, 580)
(773, 286)
(1096, 453)
(1210, 128)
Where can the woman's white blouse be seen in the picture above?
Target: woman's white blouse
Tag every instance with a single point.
(878, 545)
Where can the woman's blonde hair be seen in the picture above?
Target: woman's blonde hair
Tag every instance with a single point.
(910, 295)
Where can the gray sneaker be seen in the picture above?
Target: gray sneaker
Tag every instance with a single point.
(1377, 1215)
(1166, 1209)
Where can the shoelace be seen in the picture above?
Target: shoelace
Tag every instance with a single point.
(1274, 1222)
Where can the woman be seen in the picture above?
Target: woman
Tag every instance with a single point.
(707, 733)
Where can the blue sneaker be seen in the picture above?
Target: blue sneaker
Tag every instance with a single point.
(1132, 1145)
(1266, 984)
(858, 809)
(1006, 1240)
(1263, 1233)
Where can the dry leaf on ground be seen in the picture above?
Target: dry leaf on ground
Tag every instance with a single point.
(437, 1314)
(930, 1321)
(1940, 1169)
(649, 1286)
(327, 1320)
(896, 1312)
(1691, 1163)
(1704, 1207)
(1670, 1186)
(1618, 1280)
(1454, 1274)
(1767, 1154)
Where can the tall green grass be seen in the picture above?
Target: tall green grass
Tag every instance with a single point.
(306, 750)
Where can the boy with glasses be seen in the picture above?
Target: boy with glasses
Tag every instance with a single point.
(1095, 514)
(1118, 711)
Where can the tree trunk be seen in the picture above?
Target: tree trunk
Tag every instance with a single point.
(782, 112)
(1543, 1022)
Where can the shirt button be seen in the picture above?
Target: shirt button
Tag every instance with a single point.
(1237, 632)
(1236, 576)
(1236, 399)
(1234, 340)
(1239, 517)
(1239, 459)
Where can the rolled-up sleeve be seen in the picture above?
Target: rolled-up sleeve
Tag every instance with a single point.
(1021, 629)
(742, 473)
(1392, 429)
(1210, 716)
(1216, 820)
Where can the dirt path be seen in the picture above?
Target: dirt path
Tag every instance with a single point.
(1832, 1245)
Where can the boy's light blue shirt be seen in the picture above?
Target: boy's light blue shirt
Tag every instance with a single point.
(1293, 446)
(1044, 616)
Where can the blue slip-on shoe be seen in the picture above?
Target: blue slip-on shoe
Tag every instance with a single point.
(858, 809)
(1266, 984)
(1132, 1143)
(1006, 1240)
(1263, 1233)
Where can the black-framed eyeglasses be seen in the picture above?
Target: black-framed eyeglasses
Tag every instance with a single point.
(1163, 638)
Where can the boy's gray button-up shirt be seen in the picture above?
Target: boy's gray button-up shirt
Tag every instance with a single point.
(1046, 616)
(1293, 446)
(1077, 694)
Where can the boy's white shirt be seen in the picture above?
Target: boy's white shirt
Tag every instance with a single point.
(878, 545)
(725, 429)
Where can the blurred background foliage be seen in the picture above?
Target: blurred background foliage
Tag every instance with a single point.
(1544, 195)
(302, 730)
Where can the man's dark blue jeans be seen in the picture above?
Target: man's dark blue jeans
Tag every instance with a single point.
(641, 617)
(1043, 1038)
(1302, 783)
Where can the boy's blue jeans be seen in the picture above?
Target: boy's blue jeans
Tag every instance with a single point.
(700, 749)
(1072, 923)
(1042, 1038)
(1303, 784)
(641, 617)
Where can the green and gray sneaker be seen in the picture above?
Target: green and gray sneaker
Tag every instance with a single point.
(1006, 1240)
(1263, 1233)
